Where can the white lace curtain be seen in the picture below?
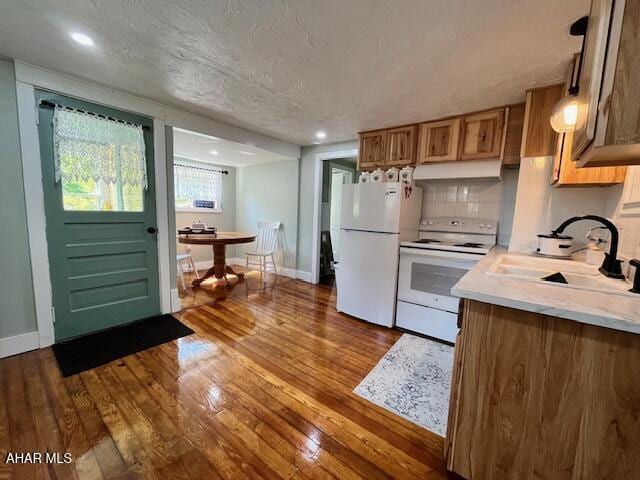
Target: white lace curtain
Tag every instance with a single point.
(197, 182)
(90, 147)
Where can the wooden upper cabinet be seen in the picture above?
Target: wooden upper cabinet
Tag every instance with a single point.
(438, 141)
(565, 172)
(513, 136)
(538, 138)
(401, 146)
(608, 127)
(591, 73)
(372, 150)
(482, 135)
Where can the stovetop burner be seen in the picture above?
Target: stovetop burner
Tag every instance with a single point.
(468, 244)
(427, 240)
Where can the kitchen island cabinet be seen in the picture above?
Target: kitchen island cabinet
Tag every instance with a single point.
(536, 396)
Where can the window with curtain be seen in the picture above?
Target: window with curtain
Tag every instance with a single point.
(99, 161)
(197, 186)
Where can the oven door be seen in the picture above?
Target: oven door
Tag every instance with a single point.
(427, 276)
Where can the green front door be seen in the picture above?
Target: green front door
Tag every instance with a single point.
(101, 237)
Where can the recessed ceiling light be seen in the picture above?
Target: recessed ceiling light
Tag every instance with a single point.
(82, 39)
(213, 152)
(321, 135)
(245, 152)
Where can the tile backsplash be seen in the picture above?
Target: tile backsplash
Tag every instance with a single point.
(628, 226)
(473, 198)
(540, 207)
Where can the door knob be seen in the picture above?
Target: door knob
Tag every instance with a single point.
(151, 230)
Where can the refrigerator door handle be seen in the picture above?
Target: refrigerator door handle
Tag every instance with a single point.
(370, 231)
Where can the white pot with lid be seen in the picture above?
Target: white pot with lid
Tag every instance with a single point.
(554, 245)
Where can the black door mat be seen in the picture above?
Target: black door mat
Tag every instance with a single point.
(90, 351)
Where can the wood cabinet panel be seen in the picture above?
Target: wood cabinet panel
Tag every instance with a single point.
(591, 73)
(513, 141)
(372, 150)
(401, 146)
(610, 135)
(538, 138)
(482, 135)
(623, 119)
(565, 172)
(569, 175)
(438, 141)
(543, 397)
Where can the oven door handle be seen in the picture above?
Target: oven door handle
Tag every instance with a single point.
(423, 252)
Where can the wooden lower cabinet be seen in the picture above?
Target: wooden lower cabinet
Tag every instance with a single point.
(539, 397)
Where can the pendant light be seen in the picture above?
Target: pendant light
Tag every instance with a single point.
(565, 113)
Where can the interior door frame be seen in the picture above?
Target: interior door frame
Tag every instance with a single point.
(344, 172)
(36, 219)
(317, 205)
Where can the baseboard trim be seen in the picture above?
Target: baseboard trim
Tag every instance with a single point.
(304, 276)
(175, 301)
(284, 271)
(204, 265)
(19, 344)
(236, 261)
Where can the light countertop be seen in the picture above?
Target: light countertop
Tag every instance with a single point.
(619, 312)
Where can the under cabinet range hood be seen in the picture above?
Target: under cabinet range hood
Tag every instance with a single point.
(459, 169)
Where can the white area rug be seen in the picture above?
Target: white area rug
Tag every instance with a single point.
(413, 380)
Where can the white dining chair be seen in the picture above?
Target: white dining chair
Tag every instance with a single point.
(186, 257)
(266, 247)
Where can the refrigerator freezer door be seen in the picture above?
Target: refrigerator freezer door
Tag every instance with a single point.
(372, 207)
(366, 279)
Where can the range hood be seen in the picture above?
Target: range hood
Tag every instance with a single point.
(460, 169)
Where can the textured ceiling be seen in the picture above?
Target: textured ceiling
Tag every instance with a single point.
(289, 68)
(196, 146)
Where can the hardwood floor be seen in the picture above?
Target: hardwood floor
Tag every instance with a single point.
(261, 390)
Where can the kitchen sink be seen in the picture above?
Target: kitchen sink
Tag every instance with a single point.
(577, 274)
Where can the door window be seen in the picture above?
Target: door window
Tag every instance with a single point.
(99, 161)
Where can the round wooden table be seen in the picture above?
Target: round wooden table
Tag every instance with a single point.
(219, 242)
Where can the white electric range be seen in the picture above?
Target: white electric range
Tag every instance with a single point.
(447, 248)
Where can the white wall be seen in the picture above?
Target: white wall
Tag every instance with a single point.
(16, 288)
(306, 199)
(541, 207)
(269, 192)
(492, 199)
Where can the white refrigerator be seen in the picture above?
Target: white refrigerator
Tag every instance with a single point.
(375, 218)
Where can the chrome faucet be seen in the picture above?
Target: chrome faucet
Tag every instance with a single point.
(611, 265)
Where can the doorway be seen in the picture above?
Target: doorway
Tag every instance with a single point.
(335, 174)
(100, 207)
(232, 187)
